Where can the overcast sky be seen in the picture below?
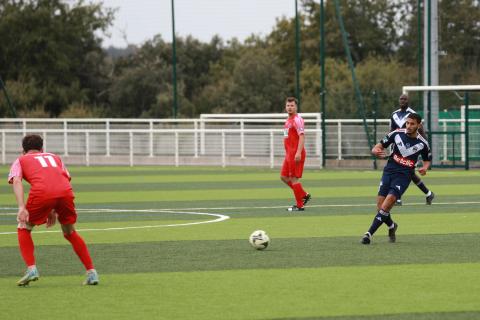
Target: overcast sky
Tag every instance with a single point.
(140, 20)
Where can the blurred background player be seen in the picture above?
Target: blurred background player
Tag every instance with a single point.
(294, 141)
(408, 145)
(398, 121)
(50, 196)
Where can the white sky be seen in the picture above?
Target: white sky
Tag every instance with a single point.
(140, 20)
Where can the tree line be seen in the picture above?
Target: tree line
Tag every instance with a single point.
(53, 64)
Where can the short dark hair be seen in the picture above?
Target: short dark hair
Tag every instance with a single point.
(416, 117)
(291, 99)
(32, 142)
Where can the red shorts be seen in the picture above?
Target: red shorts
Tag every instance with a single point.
(39, 208)
(291, 168)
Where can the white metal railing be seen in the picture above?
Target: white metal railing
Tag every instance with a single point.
(231, 140)
(166, 146)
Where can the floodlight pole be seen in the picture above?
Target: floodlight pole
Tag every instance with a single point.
(420, 50)
(297, 55)
(322, 82)
(466, 135)
(174, 62)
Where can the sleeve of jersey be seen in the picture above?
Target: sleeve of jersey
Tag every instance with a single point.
(426, 153)
(15, 171)
(388, 139)
(299, 125)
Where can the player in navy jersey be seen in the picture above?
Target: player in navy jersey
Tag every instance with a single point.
(408, 145)
(398, 121)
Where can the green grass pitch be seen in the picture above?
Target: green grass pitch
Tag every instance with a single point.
(171, 243)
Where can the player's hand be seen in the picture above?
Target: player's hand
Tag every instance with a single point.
(298, 157)
(22, 215)
(422, 171)
(51, 219)
(379, 153)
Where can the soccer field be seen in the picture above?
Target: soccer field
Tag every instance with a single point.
(172, 243)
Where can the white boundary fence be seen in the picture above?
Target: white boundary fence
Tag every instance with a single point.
(225, 142)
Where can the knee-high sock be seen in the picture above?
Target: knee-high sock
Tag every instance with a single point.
(422, 187)
(80, 248)
(290, 184)
(27, 248)
(299, 193)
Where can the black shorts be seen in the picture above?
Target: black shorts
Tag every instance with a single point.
(394, 183)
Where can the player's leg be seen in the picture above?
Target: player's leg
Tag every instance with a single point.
(27, 248)
(285, 174)
(38, 210)
(384, 203)
(301, 196)
(419, 183)
(67, 217)
(399, 185)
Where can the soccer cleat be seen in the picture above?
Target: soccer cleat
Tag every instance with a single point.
(92, 278)
(391, 233)
(430, 198)
(295, 208)
(398, 202)
(366, 239)
(30, 275)
(307, 198)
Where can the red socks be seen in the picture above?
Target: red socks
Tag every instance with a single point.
(26, 246)
(299, 194)
(80, 249)
(290, 184)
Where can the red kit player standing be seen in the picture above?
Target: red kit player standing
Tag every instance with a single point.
(294, 141)
(50, 196)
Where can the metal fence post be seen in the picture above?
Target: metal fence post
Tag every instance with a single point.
(195, 139)
(242, 139)
(44, 133)
(339, 141)
(224, 157)
(130, 135)
(4, 160)
(176, 149)
(272, 150)
(65, 138)
(151, 139)
(87, 148)
(107, 136)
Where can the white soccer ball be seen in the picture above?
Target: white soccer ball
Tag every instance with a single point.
(259, 239)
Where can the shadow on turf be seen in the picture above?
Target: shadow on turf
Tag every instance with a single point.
(460, 315)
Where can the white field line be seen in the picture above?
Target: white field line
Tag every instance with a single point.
(219, 218)
(175, 210)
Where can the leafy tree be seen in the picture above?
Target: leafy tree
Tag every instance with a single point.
(56, 46)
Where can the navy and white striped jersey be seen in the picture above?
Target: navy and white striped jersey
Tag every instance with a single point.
(399, 118)
(406, 151)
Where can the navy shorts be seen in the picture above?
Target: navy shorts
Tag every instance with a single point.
(394, 183)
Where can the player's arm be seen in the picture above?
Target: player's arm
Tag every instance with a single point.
(301, 144)
(379, 149)
(424, 168)
(22, 215)
(427, 160)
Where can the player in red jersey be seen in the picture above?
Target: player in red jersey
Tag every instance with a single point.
(294, 141)
(51, 197)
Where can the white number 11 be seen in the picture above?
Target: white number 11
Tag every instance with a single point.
(44, 163)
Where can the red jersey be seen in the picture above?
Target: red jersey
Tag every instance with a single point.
(294, 127)
(46, 174)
